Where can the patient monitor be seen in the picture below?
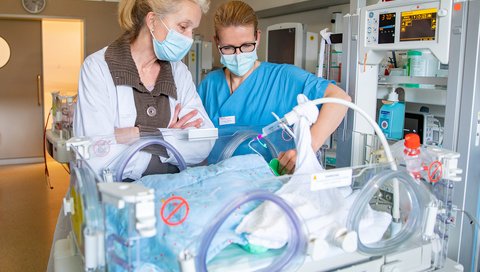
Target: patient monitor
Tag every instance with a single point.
(398, 25)
(421, 25)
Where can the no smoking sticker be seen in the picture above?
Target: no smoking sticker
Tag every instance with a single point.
(101, 148)
(435, 171)
(174, 211)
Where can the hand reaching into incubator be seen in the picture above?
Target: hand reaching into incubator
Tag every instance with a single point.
(186, 120)
(287, 161)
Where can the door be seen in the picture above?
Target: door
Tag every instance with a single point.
(21, 110)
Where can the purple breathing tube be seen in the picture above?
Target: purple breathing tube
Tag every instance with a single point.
(182, 165)
(296, 240)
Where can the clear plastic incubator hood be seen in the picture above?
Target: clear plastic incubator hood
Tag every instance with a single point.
(233, 212)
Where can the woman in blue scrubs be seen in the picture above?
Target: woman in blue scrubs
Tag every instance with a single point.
(247, 91)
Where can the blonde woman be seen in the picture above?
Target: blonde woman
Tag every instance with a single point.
(246, 91)
(138, 83)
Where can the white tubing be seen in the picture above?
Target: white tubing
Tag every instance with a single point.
(383, 140)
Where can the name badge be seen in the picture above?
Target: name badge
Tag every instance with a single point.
(226, 120)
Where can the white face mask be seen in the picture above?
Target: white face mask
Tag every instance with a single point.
(239, 64)
(175, 46)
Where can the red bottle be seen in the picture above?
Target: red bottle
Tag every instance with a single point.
(411, 154)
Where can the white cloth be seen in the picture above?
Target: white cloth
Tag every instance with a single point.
(323, 212)
(307, 162)
(267, 225)
(305, 109)
(102, 107)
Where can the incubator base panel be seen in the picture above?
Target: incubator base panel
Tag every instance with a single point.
(66, 258)
(414, 259)
(417, 258)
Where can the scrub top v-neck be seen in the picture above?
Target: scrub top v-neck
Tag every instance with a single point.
(269, 88)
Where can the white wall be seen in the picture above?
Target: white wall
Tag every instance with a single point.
(266, 4)
(63, 53)
(314, 21)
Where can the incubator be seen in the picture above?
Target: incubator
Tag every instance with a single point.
(62, 126)
(236, 214)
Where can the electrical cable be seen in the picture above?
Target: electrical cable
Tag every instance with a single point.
(47, 173)
(286, 139)
(65, 168)
(394, 59)
(471, 217)
(253, 149)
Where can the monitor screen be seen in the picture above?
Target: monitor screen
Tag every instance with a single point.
(418, 25)
(281, 45)
(413, 123)
(386, 28)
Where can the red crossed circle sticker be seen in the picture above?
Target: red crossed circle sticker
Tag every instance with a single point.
(101, 148)
(435, 171)
(175, 205)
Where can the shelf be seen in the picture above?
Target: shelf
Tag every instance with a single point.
(397, 80)
(420, 96)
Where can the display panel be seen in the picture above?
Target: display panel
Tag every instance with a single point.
(418, 25)
(284, 53)
(386, 28)
(413, 123)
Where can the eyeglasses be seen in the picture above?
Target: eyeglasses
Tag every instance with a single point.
(244, 48)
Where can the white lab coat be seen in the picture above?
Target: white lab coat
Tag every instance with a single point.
(102, 107)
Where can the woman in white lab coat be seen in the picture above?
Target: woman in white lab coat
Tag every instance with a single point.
(138, 83)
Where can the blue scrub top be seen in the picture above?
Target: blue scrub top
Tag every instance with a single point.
(269, 88)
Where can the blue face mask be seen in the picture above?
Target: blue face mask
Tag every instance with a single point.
(239, 64)
(174, 47)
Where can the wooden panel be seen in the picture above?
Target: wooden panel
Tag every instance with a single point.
(21, 113)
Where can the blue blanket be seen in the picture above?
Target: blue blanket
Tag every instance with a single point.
(206, 190)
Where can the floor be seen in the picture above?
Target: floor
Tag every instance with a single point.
(28, 214)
